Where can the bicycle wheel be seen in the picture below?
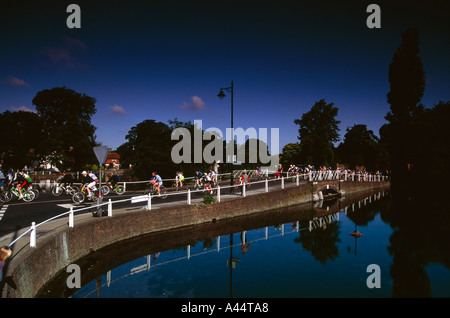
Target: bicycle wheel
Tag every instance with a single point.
(36, 193)
(28, 196)
(149, 190)
(119, 189)
(9, 196)
(71, 189)
(2, 198)
(163, 192)
(105, 190)
(57, 191)
(78, 197)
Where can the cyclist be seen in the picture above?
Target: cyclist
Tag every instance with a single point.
(156, 181)
(258, 170)
(2, 179)
(91, 180)
(19, 181)
(213, 176)
(207, 181)
(113, 179)
(198, 177)
(245, 178)
(27, 178)
(65, 179)
(179, 178)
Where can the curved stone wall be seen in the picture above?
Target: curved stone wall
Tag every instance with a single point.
(31, 268)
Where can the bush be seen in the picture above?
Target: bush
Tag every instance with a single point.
(208, 198)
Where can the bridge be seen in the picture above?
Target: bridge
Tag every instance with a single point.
(72, 235)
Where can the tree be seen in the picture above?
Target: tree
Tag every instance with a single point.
(22, 140)
(149, 146)
(407, 85)
(317, 133)
(406, 79)
(360, 148)
(66, 120)
(290, 154)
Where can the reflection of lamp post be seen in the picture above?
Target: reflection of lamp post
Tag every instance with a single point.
(231, 264)
(221, 95)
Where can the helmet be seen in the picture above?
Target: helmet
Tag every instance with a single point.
(84, 172)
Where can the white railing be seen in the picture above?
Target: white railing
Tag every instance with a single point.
(311, 176)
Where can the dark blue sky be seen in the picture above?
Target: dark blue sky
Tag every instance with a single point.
(165, 59)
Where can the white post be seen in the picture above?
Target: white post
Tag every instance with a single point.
(109, 208)
(188, 251)
(124, 186)
(218, 243)
(296, 180)
(71, 217)
(218, 193)
(243, 189)
(33, 235)
(149, 202)
(282, 182)
(266, 186)
(189, 197)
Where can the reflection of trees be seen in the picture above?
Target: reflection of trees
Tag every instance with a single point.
(420, 237)
(362, 216)
(208, 243)
(322, 242)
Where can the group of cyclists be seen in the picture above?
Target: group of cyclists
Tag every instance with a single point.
(19, 180)
(22, 181)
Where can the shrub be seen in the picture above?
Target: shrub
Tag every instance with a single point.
(208, 198)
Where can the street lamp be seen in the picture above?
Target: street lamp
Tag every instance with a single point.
(222, 95)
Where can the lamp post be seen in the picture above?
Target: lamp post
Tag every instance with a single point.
(221, 95)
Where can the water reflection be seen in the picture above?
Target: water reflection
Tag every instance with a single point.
(320, 231)
(420, 239)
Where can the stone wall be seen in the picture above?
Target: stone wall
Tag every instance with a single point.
(32, 268)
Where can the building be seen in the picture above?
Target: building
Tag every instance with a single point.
(114, 159)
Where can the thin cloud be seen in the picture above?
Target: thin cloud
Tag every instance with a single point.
(14, 81)
(23, 109)
(196, 104)
(66, 53)
(116, 109)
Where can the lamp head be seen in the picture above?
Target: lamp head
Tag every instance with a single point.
(221, 94)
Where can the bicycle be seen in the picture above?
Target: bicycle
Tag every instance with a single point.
(80, 196)
(198, 185)
(209, 189)
(118, 189)
(154, 192)
(175, 185)
(13, 193)
(239, 184)
(61, 188)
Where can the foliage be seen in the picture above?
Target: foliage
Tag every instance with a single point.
(290, 154)
(21, 142)
(360, 148)
(317, 133)
(417, 138)
(208, 198)
(68, 135)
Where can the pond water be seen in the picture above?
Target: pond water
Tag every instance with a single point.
(303, 251)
